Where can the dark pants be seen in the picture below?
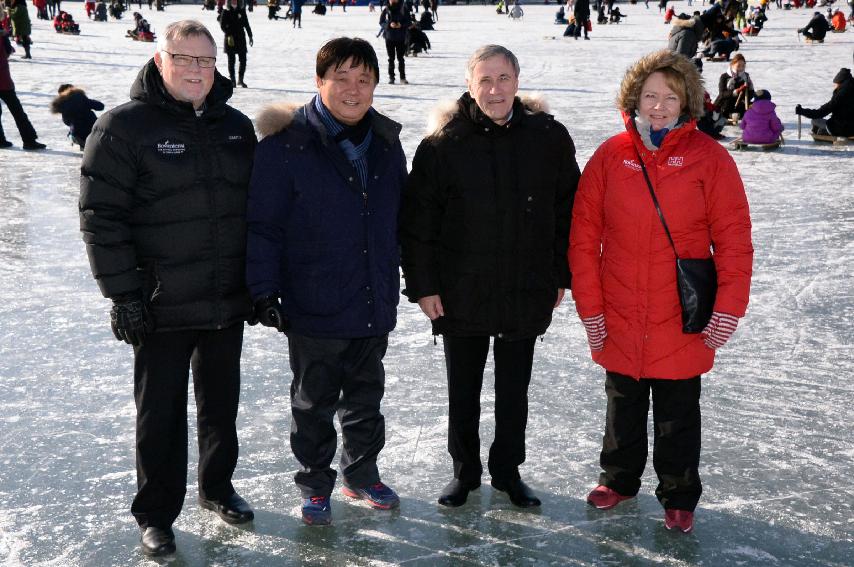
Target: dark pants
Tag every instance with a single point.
(242, 69)
(581, 25)
(676, 441)
(396, 49)
(28, 133)
(344, 376)
(161, 367)
(465, 358)
(297, 23)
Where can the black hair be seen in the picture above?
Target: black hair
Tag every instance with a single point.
(64, 86)
(337, 51)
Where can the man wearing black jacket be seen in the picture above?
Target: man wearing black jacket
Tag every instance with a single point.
(484, 231)
(163, 214)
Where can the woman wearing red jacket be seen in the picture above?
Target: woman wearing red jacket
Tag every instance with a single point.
(624, 278)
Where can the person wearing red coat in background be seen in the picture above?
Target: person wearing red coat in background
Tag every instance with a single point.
(10, 99)
(624, 278)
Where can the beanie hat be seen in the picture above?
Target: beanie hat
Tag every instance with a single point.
(843, 75)
(763, 94)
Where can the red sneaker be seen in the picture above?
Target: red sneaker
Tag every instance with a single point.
(681, 520)
(605, 498)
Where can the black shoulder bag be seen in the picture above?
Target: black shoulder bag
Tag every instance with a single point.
(696, 279)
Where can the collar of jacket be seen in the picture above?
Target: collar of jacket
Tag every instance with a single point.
(382, 126)
(672, 138)
(149, 88)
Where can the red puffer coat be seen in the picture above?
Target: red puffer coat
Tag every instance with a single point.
(622, 263)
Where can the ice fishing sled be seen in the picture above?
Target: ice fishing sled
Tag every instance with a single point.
(835, 140)
(739, 144)
(147, 37)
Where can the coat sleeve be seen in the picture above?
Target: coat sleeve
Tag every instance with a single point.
(585, 237)
(421, 213)
(564, 198)
(728, 214)
(825, 109)
(245, 21)
(267, 210)
(96, 104)
(107, 181)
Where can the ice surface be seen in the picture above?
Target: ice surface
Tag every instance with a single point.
(777, 455)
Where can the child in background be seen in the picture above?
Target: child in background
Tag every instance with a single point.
(76, 110)
(760, 124)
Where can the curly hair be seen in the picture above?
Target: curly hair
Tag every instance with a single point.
(680, 74)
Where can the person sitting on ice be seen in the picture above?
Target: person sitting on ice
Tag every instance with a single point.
(723, 47)
(837, 21)
(570, 28)
(89, 6)
(735, 88)
(686, 33)
(840, 107)
(416, 40)
(560, 16)
(601, 17)
(616, 15)
(101, 11)
(426, 22)
(516, 12)
(499, 9)
(712, 122)
(319, 9)
(76, 110)
(760, 124)
(817, 28)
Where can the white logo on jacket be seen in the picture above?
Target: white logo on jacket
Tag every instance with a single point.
(632, 164)
(168, 148)
(676, 161)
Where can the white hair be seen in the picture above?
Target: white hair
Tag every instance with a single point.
(487, 52)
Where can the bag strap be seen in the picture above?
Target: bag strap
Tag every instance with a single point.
(657, 207)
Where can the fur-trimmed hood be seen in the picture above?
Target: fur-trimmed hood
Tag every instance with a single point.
(445, 111)
(279, 116)
(58, 101)
(684, 23)
(275, 117)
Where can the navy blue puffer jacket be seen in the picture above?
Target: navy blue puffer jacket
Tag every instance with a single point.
(317, 239)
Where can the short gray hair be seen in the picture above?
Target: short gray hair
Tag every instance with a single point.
(488, 52)
(184, 29)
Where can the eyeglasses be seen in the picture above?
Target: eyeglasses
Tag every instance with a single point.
(185, 60)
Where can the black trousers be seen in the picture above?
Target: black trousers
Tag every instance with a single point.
(676, 441)
(161, 369)
(396, 49)
(242, 69)
(465, 358)
(344, 376)
(28, 133)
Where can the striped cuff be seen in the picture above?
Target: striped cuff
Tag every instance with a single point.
(719, 330)
(596, 333)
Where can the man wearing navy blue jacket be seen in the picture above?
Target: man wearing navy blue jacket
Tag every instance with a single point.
(322, 266)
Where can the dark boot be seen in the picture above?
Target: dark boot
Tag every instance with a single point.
(157, 542)
(456, 493)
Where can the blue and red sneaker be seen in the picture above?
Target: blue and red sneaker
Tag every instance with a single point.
(378, 495)
(317, 511)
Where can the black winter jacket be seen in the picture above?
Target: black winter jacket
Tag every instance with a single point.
(401, 19)
(163, 204)
(76, 110)
(233, 22)
(485, 221)
(840, 107)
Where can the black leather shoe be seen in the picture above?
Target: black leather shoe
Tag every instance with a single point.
(232, 509)
(456, 493)
(157, 542)
(520, 493)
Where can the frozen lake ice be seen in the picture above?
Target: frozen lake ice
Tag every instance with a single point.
(777, 409)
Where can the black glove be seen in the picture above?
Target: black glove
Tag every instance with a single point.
(799, 109)
(251, 43)
(268, 310)
(130, 319)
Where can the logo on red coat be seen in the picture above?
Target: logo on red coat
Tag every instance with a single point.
(675, 161)
(632, 164)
